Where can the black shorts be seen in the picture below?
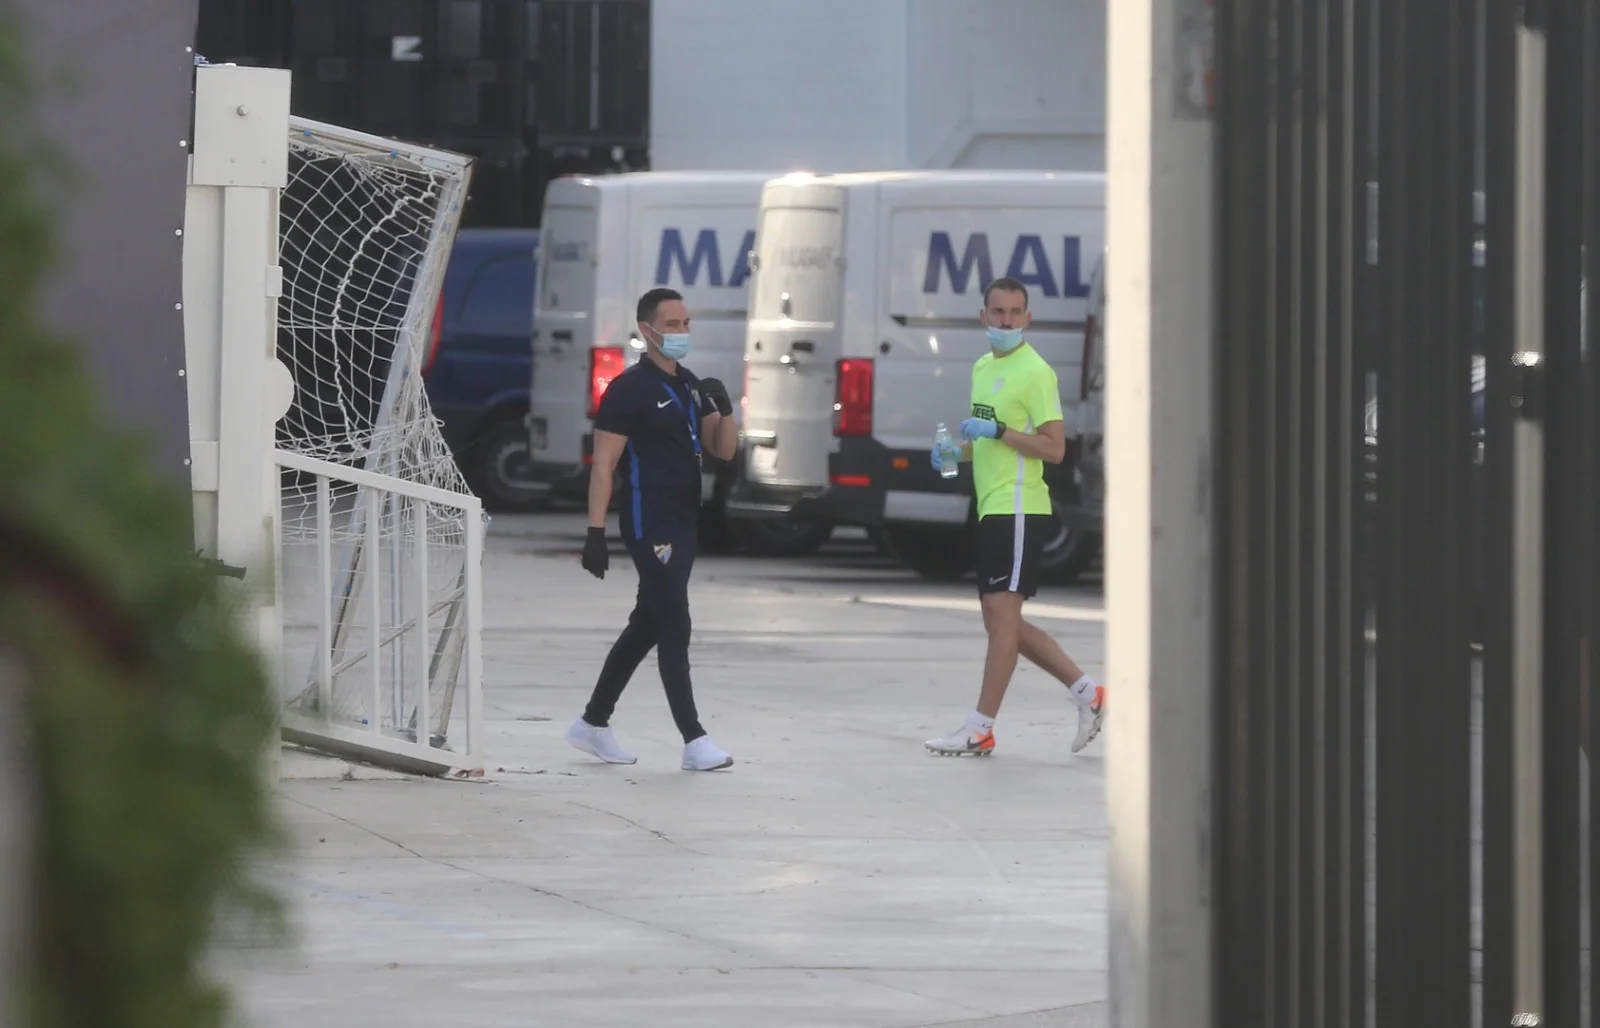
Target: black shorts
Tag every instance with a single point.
(1009, 549)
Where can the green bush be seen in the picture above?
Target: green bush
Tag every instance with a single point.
(149, 710)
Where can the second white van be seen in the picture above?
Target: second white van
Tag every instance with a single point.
(863, 331)
(1087, 442)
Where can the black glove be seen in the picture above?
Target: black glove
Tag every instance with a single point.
(714, 397)
(596, 558)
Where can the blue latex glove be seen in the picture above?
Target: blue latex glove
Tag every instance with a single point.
(940, 451)
(979, 428)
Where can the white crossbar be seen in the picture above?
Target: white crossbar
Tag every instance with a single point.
(465, 502)
(350, 139)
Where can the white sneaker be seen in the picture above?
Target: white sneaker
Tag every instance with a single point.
(1091, 716)
(598, 742)
(705, 755)
(977, 741)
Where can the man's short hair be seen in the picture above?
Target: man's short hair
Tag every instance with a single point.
(650, 302)
(1009, 285)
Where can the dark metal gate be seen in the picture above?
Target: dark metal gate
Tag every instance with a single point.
(1408, 475)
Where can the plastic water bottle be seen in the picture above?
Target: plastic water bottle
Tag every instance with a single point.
(943, 440)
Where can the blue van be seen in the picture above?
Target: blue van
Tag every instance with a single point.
(479, 364)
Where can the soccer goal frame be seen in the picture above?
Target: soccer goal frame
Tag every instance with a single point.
(403, 444)
(314, 257)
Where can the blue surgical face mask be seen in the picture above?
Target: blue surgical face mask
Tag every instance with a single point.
(1005, 339)
(675, 345)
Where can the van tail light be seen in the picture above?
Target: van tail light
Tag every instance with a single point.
(1088, 358)
(605, 364)
(434, 336)
(852, 400)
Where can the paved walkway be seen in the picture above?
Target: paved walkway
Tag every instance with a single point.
(837, 876)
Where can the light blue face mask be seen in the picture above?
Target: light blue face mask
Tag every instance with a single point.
(675, 345)
(1005, 339)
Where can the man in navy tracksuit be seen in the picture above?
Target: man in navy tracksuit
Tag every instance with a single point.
(655, 421)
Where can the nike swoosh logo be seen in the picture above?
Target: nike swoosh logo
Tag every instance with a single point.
(997, 581)
(663, 403)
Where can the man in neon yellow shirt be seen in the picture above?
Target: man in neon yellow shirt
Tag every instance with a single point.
(1016, 426)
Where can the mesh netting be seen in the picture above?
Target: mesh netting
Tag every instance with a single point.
(373, 588)
(364, 240)
(365, 234)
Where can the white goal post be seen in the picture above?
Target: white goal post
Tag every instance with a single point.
(372, 539)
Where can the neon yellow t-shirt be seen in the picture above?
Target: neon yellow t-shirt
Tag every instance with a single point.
(1019, 390)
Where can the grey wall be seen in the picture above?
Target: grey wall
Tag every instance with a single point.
(115, 81)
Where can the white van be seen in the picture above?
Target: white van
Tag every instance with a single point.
(606, 240)
(865, 295)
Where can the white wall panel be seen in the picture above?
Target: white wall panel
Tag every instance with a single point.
(860, 85)
(753, 84)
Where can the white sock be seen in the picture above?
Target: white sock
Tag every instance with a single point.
(1083, 689)
(977, 721)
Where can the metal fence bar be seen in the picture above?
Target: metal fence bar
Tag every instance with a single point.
(1307, 571)
(374, 508)
(474, 640)
(1362, 314)
(1279, 538)
(396, 505)
(1394, 948)
(324, 597)
(1453, 95)
(1565, 536)
(1589, 465)
(1501, 19)
(1242, 751)
(1343, 614)
(424, 648)
(1304, 179)
(1527, 524)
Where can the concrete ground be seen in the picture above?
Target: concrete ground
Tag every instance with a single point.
(836, 876)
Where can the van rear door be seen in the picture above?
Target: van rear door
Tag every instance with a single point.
(943, 254)
(1091, 430)
(563, 335)
(702, 250)
(793, 343)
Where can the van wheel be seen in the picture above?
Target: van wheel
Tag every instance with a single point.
(495, 465)
(785, 537)
(718, 533)
(1068, 553)
(937, 552)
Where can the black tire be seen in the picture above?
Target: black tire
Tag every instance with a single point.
(786, 537)
(490, 462)
(1068, 552)
(717, 533)
(936, 552)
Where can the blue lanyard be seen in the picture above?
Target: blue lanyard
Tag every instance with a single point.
(688, 418)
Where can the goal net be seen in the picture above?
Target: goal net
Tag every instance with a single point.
(374, 571)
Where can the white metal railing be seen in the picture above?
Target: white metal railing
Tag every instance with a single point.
(381, 587)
